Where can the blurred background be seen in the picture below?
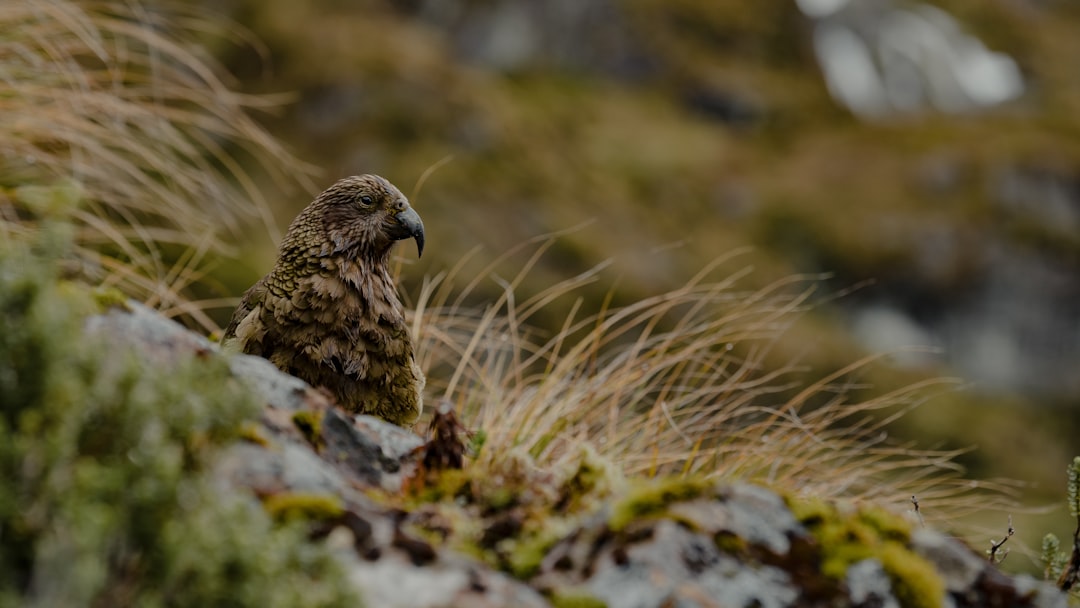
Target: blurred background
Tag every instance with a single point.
(923, 156)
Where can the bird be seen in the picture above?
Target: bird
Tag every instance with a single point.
(329, 313)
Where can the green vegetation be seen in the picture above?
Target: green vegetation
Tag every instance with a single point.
(509, 511)
(309, 423)
(253, 432)
(915, 583)
(1064, 566)
(651, 499)
(109, 297)
(104, 493)
(574, 598)
(846, 535)
(292, 506)
(1053, 558)
(525, 554)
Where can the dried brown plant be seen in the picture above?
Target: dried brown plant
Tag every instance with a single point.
(679, 383)
(117, 104)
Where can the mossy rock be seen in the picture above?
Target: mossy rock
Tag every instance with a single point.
(848, 534)
(309, 423)
(292, 506)
(652, 498)
(575, 598)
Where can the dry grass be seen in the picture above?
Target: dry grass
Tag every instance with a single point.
(678, 384)
(115, 101)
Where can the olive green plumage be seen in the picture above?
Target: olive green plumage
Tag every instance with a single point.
(328, 313)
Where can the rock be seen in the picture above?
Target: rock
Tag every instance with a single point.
(279, 468)
(395, 582)
(972, 581)
(869, 585)
(388, 565)
(153, 337)
(275, 389)
(959, 566)
(677, 567)
(760, 517)
(356, 444)
(686, 543)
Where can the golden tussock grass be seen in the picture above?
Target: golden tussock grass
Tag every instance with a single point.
(679, 384)
(116, 102)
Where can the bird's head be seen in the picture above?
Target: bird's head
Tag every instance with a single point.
(367, 213)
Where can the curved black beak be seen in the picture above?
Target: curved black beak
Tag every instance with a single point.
(410, 220)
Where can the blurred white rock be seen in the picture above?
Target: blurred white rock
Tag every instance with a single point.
(882, 58)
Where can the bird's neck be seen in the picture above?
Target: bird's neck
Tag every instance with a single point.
(369, 273)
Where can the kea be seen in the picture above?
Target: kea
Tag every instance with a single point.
(328, 313)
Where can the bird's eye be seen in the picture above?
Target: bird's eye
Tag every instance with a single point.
(366, 200)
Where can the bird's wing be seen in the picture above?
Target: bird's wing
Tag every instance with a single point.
(242, 327)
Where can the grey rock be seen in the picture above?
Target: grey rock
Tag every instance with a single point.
(358, 447)
(748, 512)
(284, 467)
(155, 338)
(970, 579)
(676, 567)
(678, 557)
(868, 585)
(958, 565)
(396, 442)
(389, 567)
(1039, 594)
(395, 582)
(761, 517)
(275, 389)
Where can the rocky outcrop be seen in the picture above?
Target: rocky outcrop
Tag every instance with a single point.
(671, 542)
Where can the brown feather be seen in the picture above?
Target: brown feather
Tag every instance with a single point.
(328, 313)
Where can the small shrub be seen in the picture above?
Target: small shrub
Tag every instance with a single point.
(104, 494)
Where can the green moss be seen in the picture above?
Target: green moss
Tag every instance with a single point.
(310, 424)
(293, 506)
(575, 598)
(500, 498)
(109, 297)
(590, 479)
(887, 524)
(54, 200)
(508, 512)
(846, 535)
(729, 543)
(653, 497)
(527, 553)
(104, 468)
(446, 485)
(915, 582)
(809, 511)
(253, 433)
